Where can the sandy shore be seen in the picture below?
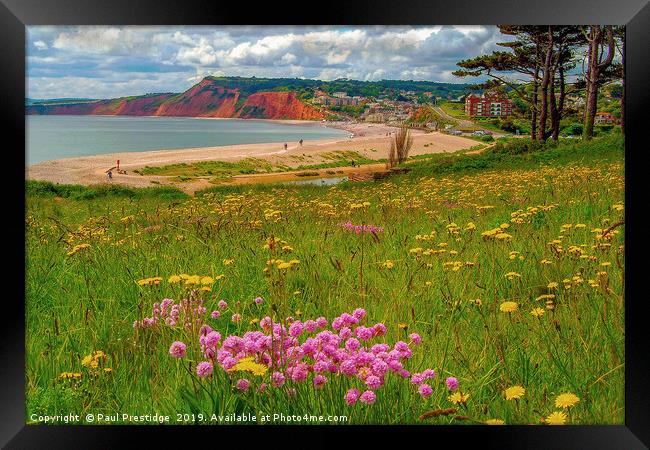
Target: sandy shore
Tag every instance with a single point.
(369, 140)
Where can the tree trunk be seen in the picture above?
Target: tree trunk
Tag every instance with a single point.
(533, 103)
(560, 103)
(596, 66)
(545, 82)
(555, 118)
(592, 85)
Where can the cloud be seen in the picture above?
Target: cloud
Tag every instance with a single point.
(91, 61)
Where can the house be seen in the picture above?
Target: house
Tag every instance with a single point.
(604, 118)
(488, 105)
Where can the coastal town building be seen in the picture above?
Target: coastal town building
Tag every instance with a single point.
(337, 99)
(487, 105)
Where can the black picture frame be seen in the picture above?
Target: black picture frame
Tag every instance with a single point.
(15, 15)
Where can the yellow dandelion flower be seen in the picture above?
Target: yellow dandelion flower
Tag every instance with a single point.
(174, 279)
(249, 365)
(556, 418)
(566, 400)
(508, 307)
(228, 262)
(207, 280)
(458, 397)
(494, 422)
(514, 392)
(388, 264)
(537, 312)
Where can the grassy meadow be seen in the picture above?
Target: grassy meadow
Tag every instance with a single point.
(509, 265)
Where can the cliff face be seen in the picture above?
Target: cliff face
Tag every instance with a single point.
(277, 105)
(205, 99)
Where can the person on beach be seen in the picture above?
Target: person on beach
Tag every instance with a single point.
(285, 145)
(300, 141)
(110, 175)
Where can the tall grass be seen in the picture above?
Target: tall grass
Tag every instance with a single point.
(446, 282)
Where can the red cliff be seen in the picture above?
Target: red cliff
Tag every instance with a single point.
(205, 99)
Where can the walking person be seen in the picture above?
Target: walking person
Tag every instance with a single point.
(300, 141)
(285, 145)
(110, 174)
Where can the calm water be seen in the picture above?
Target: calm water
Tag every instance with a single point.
(55, 137)
(320, 181)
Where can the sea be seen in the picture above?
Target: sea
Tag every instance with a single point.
(55, 137)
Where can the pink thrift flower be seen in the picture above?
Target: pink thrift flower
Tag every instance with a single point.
(177, 349)
(265, 323)
(203, 369)
(222, 305)
(374, 382)
(452, 383)
(258, 300)
(311, 326)
(379, 329)
(352, 396)
(295, 329)
(243, 384)
(345, 333)
(352, 344)
(417, 378)
(359, 313)
(215, 314)
(319, 381)
(415, 338)
(368, 397)
(236, 318)
(364, 333)
(277, 379)
(429, 373)
(321, 322)
(348, 367)
(425, 390)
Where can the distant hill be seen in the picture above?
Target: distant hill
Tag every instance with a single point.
(35, 101)
(238, 97)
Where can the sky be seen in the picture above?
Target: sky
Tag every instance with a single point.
(108, 61)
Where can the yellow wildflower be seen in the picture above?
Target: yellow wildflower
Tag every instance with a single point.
(566, 400)
(537, 312)
(514, 392)
(556, 418)
(508, 307)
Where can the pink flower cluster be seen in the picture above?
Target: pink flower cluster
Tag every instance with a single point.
(187, 312)
(311, 352)
(358, 229)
